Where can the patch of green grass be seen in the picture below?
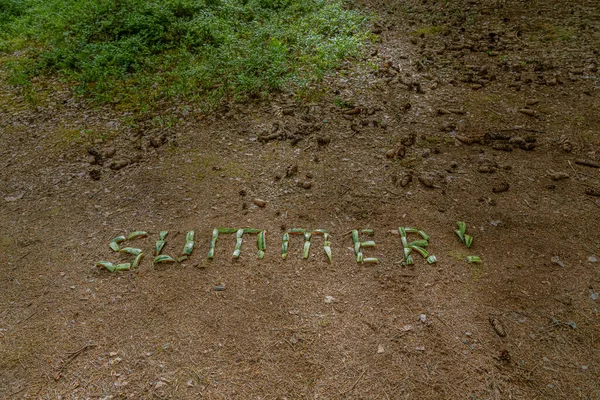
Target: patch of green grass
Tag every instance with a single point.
(310, 94)
(65, 136)
(437, 140)
(341, 103)
(410, 162)
(550, 33)
(429, 30)
(141, 51)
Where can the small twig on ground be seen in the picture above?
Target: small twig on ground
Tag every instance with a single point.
(17, 392)
(587, 163)
(518, 129)
(23, 256)
(20, 258)
(290, 344)
(355, 383)
(442, 320)
(594, 202)
(345, 191)
(72, 356)
(574, 170)
(578, 175)
(30, 315)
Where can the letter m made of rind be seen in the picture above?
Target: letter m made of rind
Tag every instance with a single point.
(239, 233)
(307, 237)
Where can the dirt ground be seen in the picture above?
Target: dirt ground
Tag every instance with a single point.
(462, 111)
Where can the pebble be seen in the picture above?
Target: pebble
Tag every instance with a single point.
(118, 164)
(423, 318)
(260, 202)
(324, 140)
(219, 288)
(291, 170)
(354, 111)
(556, 260)
(498, 327)
(399, 152)
(409, 140)
(517, 141)
(502, 147)
(593, 259)
(329, 299)
(95, 173)
(527, 146)
(566, 147)
(305, 184)
(593, 191)
(156, 141)
(527, 111)
(501, 188)
(427, 181)
(109, 152)
(406, 180)
(559, 176)
(486, 169)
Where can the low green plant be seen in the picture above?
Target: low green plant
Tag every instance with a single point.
(431, 30)
(341, 103)
(155, 49)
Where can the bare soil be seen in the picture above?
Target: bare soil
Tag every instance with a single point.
(486, 106)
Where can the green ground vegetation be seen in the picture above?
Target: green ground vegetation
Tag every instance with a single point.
(145, 50)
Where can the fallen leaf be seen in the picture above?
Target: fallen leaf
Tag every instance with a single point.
(16, 197)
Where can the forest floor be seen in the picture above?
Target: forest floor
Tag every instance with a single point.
(483, 112)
